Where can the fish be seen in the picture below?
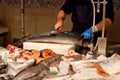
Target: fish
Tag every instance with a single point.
(63, 37)
(3, 70)
(38, 71)
(6, 77)
(3, 66)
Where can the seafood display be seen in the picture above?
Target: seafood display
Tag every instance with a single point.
(19, 60)
(47, 65)
(38, 71)
(17, 63)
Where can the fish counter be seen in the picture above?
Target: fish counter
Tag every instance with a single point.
(57, 56)
(30, 65)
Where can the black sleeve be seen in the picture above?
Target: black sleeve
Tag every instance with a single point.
(110, 10)
(67, 6)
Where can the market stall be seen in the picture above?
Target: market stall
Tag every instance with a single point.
(59, 56)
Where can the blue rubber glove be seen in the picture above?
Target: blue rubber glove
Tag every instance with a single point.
(87, 33)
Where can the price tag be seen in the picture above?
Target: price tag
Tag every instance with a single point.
(64, 67)
(53, 70)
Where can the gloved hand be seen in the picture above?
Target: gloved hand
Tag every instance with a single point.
(87, 33)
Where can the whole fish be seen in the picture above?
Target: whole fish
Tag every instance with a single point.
(38, 71)
(65, 37)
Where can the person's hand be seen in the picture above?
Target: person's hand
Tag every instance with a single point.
(87, 33)
(58, 26)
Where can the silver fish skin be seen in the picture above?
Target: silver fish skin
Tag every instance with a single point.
(38, 71)
(65, 37)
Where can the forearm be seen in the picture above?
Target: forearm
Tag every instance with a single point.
(100, 24)
(61, 16)
(88, 33)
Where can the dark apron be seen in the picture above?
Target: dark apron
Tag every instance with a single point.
(82, 17)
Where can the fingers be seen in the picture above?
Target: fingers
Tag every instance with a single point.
(86, 36)
(58, 26)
